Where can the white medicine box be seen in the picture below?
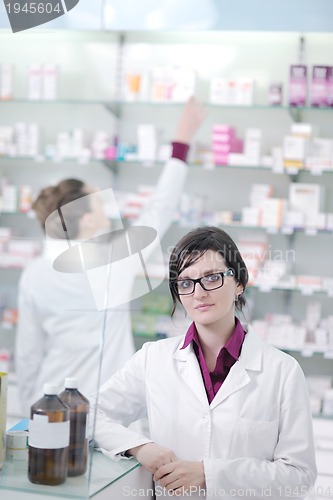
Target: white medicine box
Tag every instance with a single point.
(294, 148)
(306, 198)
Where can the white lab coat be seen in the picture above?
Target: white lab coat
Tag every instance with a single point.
(59, 329)
(255, 438)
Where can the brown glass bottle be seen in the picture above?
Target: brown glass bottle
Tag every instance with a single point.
(48, 439)
(78, 441)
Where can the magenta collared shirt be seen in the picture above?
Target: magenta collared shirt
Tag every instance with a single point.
(226, 358)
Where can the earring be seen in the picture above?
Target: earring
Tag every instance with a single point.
(237, 297)
(185, 314)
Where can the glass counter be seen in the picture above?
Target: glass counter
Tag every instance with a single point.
(104, 472)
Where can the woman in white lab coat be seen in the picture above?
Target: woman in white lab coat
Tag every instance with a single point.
(61, 322)
(229, 415)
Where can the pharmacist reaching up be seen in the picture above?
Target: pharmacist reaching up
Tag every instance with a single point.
(61, 314)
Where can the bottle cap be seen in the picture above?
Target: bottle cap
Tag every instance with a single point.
(71, 383)
(50, 389)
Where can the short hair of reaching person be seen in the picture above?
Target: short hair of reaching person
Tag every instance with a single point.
(52, 198)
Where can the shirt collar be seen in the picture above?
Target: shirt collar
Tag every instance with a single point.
(233, 346)
(191, 334)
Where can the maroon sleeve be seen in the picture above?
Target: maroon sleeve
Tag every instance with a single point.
(180, 150)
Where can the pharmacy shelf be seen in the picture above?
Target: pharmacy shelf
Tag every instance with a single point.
(304, 290)
(12, 269)
(30, 214)
(288, 171)
(151, 336)
(79, 102)
(272, 108)
(69, 101)
(81, 36)
(285, 230)
(7, 337)
(307, 351)
(322, 416)
(40, 160)
(112, 106)
(114, 165)
(6, 330)
(115, 103)
(311, 231)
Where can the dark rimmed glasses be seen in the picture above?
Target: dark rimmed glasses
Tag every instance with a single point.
(208, 282)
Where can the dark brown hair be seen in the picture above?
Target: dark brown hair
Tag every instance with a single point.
(52, 198)
(194, 244)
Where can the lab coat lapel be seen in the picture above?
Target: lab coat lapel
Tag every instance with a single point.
(189, 369)
(238, 377)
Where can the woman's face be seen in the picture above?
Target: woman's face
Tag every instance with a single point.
(214, 306)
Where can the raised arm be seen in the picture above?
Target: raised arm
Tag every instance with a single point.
(190, 120)
(160, 211)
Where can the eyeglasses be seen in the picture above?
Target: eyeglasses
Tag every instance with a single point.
(208, 283)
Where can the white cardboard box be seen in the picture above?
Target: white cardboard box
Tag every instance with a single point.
(306, 198)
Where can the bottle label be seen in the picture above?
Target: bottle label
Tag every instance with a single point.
(48, 435)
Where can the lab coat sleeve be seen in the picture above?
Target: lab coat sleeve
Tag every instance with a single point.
(291, 473)
(121, 401)
(29, 345)
(160, 210)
